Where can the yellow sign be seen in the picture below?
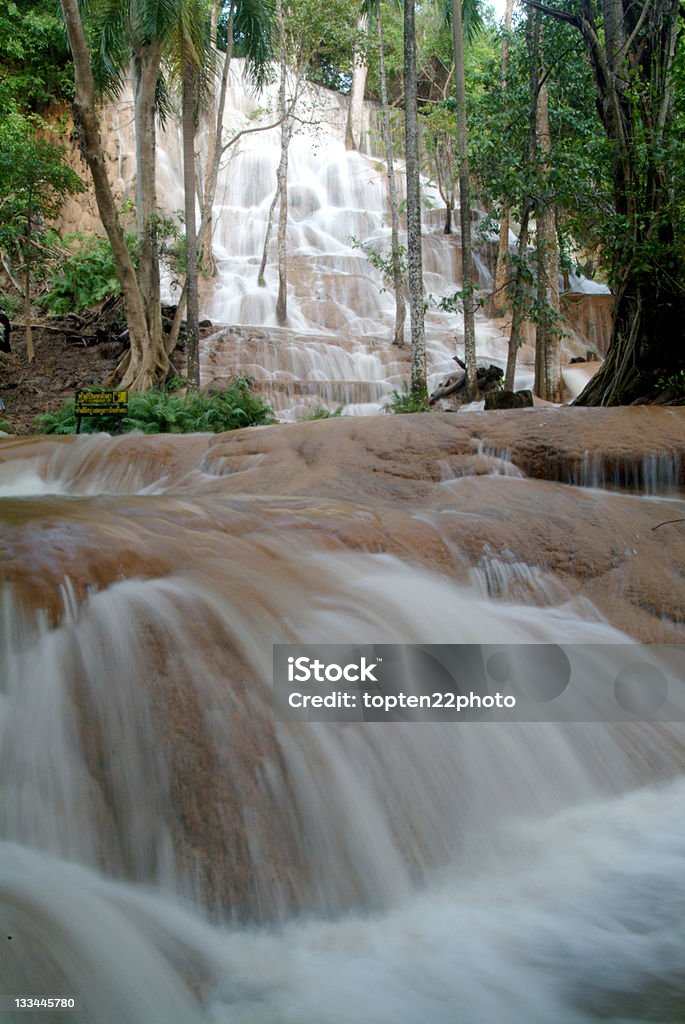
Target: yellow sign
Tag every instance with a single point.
(101, 403)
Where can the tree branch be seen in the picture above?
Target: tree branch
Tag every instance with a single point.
(572, 19)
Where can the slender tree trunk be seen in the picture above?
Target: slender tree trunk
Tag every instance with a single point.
(27, 312)
(355, 113)
(261, 279)
(419, 388)
(397, 275)
(214, 151)
(498, 303)
(88, 130)
(521, 278)
(282, 300)
(465, 207)
(547, 331)
(28, 326)
(146, 73)
(286, 132)
(191, 288)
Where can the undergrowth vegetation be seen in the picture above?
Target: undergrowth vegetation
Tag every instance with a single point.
(406, 401)
(322, 413)
(86, 274)
(163, 412)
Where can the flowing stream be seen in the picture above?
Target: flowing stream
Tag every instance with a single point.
(170, 853)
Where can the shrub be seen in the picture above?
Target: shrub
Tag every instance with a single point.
(160, 412)
(86, 276)
(10, 303)
(404, 401)
(322, 413)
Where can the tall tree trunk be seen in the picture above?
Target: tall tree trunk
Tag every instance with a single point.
(419, 388)
(547, 331)
(90, 142)
(499, 303)
(632, 54)
(282, 178)
(214, 149)
(261, 278)
(521, 278)
(397, 275)
(355, 112)
(282, 300)
(28, 327)
(465, 207)
(146, 72)
(192, 300)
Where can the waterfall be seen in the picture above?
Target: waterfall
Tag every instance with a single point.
(169, 851)
(336, 349)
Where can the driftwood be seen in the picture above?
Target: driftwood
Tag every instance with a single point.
(488, 377)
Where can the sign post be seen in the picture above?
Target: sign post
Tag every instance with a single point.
(101, 403)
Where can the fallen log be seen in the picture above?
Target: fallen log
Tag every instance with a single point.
(488, 378)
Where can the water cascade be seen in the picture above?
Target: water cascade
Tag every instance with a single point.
(335, 350)
(169, 852)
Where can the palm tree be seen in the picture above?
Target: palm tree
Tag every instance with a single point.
(88, 128)
(144, 34)
(133, 33)
(189, 59)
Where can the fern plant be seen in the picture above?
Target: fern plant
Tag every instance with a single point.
(86, 275)
(161, 412)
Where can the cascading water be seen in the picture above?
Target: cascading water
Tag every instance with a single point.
(172, 853)
(336, 349)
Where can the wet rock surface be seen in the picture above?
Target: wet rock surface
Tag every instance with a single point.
(437, 489)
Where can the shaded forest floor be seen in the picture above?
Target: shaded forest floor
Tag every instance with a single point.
(71, 352)
(59, 369)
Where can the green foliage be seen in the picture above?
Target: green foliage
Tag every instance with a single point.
(86, 274)
(160, 412)
(406, 401)
(455, 303)
(10, 303)
(393, 36)
(381, 261)
(321, 39)
(253, 22)
(34, 185)
(322, 413)
(675, 383)
(34, 55)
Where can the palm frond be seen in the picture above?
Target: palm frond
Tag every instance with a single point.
(471, 14)
(108, 32)
(253, 23)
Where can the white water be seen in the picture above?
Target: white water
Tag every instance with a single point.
(340, 311)
(507, 873)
